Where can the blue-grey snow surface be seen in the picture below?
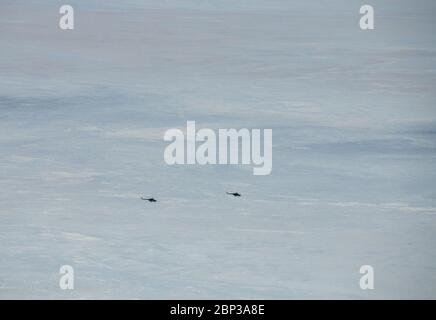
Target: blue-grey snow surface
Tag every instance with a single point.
(82, 119)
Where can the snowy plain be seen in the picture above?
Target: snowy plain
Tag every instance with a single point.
(83, 114)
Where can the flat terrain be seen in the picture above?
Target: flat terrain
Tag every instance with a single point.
(82, 118)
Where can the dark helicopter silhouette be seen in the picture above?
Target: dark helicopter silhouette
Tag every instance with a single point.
(235, 194)
(149, 199)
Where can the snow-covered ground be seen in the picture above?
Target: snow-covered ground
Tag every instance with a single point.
(82, 117)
